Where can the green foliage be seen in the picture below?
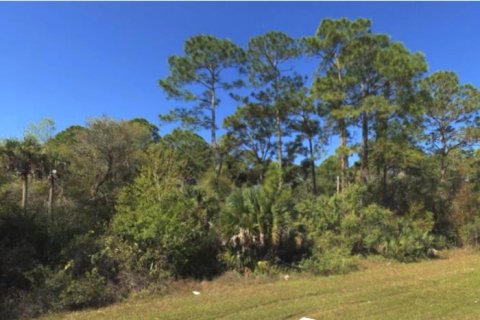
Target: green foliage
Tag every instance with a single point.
(266, 53)
(348, 222)
(202, 66)
(268, 59)
(163, 216)
(259, 223)
(330, 262)
(192, 148)
(471, 232)
(376, 230)
(23, 244)
(450, 109)
(249, 137)
(42, 131)
(92, 290)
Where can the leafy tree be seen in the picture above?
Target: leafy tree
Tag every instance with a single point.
(450, 108)
(168, 220)
(396, 118)
(267, 59)
(43, 131)
(387, 72)
(249, 135)
(104, 157)
(335, 82)
(191, 148)
(327, 173)
(367, 72)
(306, 122)
(196, 77)
(154, 135)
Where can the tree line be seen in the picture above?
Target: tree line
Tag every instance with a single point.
(95, 212)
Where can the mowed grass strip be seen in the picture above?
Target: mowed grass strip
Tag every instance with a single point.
(447, 288)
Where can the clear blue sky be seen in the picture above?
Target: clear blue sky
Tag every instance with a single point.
(70, 61)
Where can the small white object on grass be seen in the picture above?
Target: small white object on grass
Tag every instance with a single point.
(305, 318)
(196, 293)
(286, 277)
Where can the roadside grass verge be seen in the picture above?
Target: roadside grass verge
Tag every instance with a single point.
(445, 288)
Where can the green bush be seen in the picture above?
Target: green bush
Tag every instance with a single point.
(352, 222)
(166, 223)
(24, 242)
(470, 233)
(329, 255)
(376, 230)
(91, 290)
(330, 262)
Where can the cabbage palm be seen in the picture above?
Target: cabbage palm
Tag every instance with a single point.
(260, 220)
(25, 159)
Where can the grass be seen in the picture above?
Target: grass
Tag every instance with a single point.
(446, 288)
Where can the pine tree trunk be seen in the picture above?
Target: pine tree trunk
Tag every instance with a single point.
(279, 148)
(442, 167)
(443, 156)
(312, 166)
(364, 158)
(343, 154)
(213, 127)
(343, 136)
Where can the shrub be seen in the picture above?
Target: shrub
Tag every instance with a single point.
(92, 290)
(376, 230)
(23, 245)
(261, 223)
(471, 232)
(330, 262)
(166, 223)
(351, 221)
(329, 255)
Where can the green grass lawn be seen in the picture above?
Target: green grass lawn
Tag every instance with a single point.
(446, 288)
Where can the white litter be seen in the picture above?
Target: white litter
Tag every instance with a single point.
(286, 277)
(305, 318)
(196, 293)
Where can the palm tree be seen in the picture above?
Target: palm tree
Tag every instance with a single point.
(25, 159)
(259, 220)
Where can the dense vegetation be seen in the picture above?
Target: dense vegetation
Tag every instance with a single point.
(95, 212)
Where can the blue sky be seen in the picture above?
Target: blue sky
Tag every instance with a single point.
(71, 61)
